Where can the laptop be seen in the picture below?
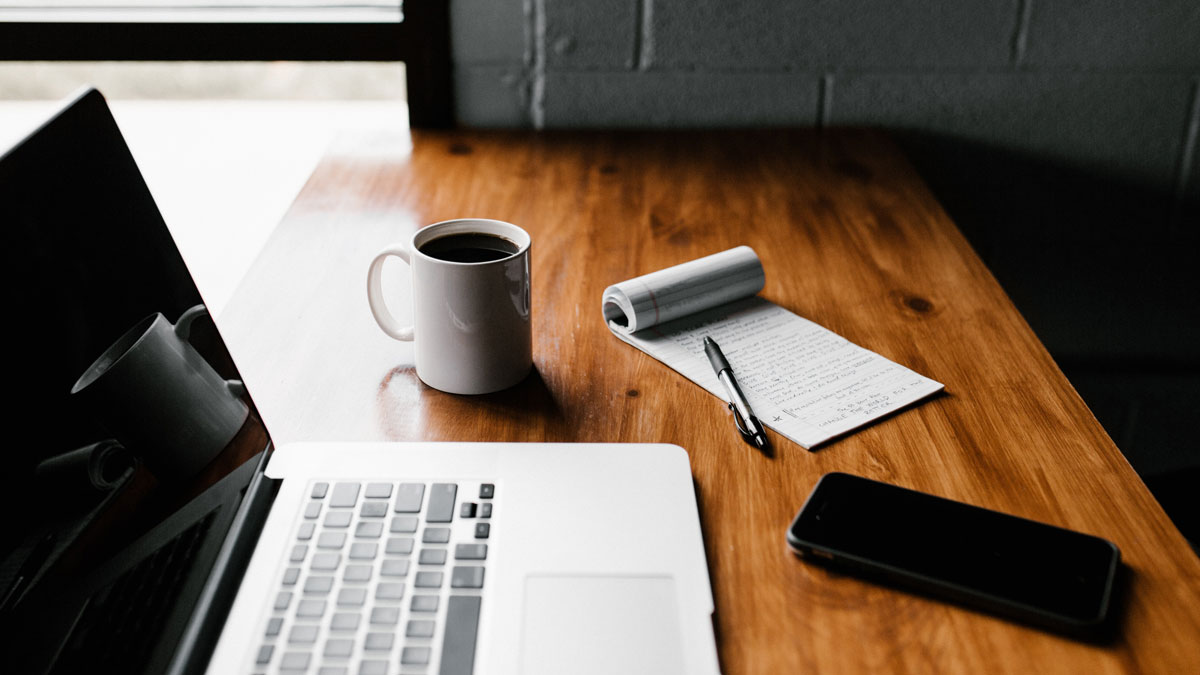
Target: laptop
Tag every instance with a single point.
(148, 527)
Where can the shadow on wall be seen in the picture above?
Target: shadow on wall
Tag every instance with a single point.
(1106, 273)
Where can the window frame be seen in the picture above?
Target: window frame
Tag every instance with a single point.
(421, 41)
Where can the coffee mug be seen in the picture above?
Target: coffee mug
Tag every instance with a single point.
(161, 399)
(471, 310)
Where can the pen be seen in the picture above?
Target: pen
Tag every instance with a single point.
(29, 569)
(743, 416)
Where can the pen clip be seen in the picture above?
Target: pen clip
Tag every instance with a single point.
(737, 420)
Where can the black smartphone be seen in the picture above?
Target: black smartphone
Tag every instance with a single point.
(1036, 573)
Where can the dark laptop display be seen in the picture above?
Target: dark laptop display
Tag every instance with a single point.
(132, 441)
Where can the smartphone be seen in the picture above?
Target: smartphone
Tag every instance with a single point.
(1036, 573)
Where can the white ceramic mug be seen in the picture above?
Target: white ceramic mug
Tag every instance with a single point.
(161, 399)
(471, 320)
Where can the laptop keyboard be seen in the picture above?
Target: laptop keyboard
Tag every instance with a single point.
(381, 578)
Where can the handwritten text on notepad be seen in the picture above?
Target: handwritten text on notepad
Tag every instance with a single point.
(806, 382)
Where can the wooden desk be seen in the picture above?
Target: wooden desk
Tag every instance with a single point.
(851, 238)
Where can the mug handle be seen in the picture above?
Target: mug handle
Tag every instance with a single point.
(183, 327)
(183, 330)
(375, 294)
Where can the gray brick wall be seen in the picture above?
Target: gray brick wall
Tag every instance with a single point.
(492, 48)
(1100, 85)
(679, 99)
(820, 35)
(601, 35)
(1114, 34)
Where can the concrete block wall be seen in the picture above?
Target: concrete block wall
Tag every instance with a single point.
(1062, 137)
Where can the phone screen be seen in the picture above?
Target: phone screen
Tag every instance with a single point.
(1040, 571)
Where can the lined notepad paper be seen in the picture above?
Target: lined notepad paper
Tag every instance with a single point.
(804, 381)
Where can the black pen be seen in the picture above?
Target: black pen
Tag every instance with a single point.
(29, 569)
(743, 416)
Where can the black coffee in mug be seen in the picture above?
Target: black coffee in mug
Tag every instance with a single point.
(469, 247)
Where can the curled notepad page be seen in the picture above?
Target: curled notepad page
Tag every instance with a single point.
(684, 289)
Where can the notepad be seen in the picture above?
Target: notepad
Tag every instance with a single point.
(804, 381)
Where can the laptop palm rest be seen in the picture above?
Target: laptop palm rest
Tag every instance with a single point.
(601, 624)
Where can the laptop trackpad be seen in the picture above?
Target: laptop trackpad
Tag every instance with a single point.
(599, 624)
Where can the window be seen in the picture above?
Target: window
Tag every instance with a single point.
(416, 33)
(202, 11)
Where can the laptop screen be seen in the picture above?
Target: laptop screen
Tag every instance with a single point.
(124, 402)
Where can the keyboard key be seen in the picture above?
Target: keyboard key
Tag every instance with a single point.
(345, 495)
(378, 491)
(295, 661)
(433, 556)
(326, 561)
(385, 616)
(466, 576)
(414, 656)
(389, 590)
(482, 530)
(338, 647)
(303, 633)
(441, 502)
(283, 600)
(319, 490)
(343, 621)
(428, 580)
(487, 491)
(306, 530)
(485, 510)
(264, 655)
(332, 670)
(318, 585)
(419, 628)
(394, 568)
(458, 645)
(409, 498)
(379, 641)
(274, 626)
(371, 530)
(310, 609)
(352, 597)
(424, 603)
(373, 509)
(299, 551)
(399, 546)
(338, 519)
(470, 552)
(373, 667)
(436, 535)
(331, 540)
(467, 510)
(404, 524)
(312, 510)
(357, 573)
(363, 550)
(291, 575)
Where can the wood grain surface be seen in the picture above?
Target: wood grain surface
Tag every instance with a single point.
(850, 238)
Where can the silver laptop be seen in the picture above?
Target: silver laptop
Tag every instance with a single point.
(134, 542)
